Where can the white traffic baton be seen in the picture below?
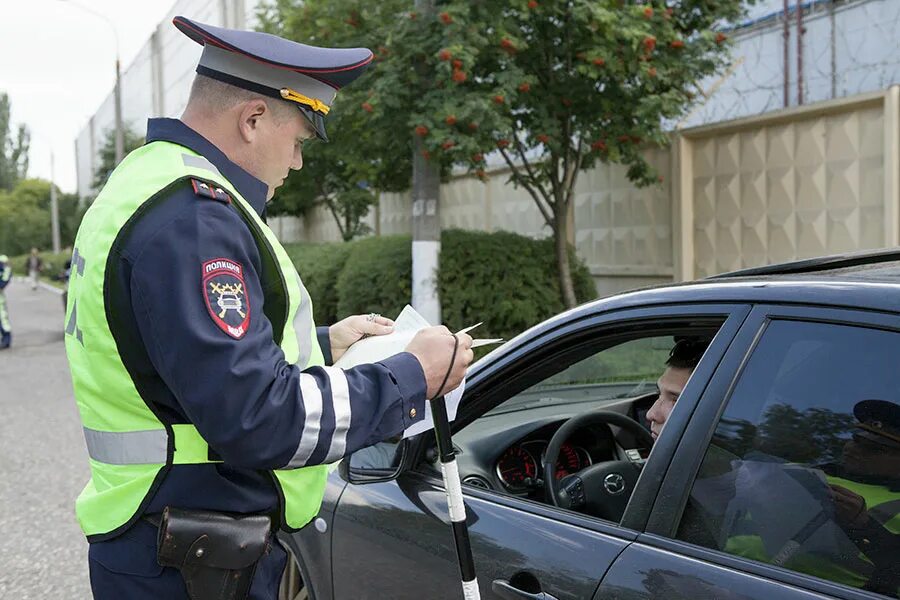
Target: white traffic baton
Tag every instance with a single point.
(457, 507)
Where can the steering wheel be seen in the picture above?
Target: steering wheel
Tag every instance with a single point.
(603, 489)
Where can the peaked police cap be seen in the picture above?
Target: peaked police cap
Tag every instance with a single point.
(879, 421)
(307, 76)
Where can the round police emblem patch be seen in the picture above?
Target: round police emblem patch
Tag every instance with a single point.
(226, 296)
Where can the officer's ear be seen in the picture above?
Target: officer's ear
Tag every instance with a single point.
(250, 117)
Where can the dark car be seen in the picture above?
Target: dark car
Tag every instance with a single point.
(777, 474)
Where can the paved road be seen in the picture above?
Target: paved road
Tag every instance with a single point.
(43, 462)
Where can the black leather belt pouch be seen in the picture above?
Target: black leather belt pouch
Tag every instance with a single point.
(216, 553)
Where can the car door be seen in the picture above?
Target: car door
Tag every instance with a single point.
(392, 539)
(787, 404)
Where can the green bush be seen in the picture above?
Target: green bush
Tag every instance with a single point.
(319, 266)
(506, 280)
(377, 276)
(54, 264)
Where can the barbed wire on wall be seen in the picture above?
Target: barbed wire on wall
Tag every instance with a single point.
(849, 47)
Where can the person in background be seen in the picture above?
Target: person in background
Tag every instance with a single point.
(34, 265)
(5, 327)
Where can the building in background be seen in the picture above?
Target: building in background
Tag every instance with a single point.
(158, 80)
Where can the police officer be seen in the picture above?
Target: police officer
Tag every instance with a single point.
(203, 387)
(5, 327)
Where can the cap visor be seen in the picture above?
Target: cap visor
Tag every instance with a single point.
(316, 120)
(876, 437)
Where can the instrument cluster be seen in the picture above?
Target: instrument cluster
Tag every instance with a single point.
(520, 468)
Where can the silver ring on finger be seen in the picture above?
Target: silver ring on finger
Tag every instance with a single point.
(371, 317)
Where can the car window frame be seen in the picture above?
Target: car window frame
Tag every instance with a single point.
(675, 488)
(491, 381)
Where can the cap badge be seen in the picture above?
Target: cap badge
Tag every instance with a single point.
(314, 103)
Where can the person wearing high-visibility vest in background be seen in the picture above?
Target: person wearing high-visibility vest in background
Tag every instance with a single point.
(208, 408)
(5, 326)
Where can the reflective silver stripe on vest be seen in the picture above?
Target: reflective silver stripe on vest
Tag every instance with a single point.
(198, 162)
(340, 396)
(312, 403)
(303, 326)
(127, 448)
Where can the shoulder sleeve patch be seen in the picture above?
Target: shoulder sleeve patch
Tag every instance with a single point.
(205, 189)
(225, 295)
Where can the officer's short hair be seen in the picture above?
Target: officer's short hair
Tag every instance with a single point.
(687, 352)
(217, 96)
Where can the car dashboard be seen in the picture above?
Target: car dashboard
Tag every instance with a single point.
(504, 452)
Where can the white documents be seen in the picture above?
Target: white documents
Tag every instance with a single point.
(380, 347)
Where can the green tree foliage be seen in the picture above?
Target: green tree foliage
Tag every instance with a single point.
(13, 148)
(346, 174)
(131, 141)
(25, 217)
(553, 86)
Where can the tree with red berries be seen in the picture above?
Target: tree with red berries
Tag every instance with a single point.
(552, 86)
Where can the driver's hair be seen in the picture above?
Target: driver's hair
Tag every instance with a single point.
(687, 352)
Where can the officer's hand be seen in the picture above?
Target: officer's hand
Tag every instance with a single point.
(344, 334)
(434, 347)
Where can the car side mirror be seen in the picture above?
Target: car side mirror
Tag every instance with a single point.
(379, 463)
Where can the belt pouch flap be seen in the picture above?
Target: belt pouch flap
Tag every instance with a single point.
(209, 539)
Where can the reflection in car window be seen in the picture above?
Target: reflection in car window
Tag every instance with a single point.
(803, 471)
(624, 371)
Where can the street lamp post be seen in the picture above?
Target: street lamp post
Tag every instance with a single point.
(54, 201)
(120, 133)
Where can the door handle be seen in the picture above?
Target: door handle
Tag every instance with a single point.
(507, 591)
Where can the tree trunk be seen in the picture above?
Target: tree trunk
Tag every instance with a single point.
(564, 270)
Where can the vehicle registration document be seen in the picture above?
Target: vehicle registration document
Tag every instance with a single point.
(379, 347)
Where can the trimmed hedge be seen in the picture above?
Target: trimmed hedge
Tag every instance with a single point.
(377, 277)
(504, 279)
(319, 266)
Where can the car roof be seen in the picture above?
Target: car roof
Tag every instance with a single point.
(868, 281)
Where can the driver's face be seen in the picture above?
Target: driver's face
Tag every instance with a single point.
(670, 385)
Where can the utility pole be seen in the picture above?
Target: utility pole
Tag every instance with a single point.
(426, 217)
(786, 34)
(799, 53)
(117, 92)
(54, 205)
(120, 133)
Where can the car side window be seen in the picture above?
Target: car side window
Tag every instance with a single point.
(504, 449)
(803, 470)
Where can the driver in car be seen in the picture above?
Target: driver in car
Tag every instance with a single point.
(683, 359)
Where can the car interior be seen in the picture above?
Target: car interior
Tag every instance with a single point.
(571, 428)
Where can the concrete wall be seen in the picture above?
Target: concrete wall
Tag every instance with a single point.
(793, 184)
(158, 80)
